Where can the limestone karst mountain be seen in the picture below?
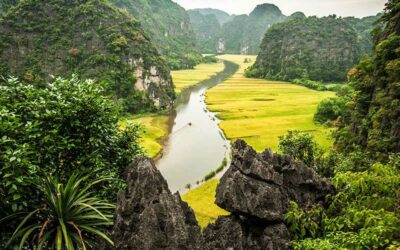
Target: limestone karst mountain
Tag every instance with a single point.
(93, 39)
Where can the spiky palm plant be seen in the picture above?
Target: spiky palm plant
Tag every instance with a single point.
(71, 217)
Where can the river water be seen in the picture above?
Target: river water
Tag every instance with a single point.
(196, 145)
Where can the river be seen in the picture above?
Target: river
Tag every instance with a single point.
(196, 145)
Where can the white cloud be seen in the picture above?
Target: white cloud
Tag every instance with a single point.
(357, 8)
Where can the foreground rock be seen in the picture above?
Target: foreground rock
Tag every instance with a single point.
(261, 185)
(256, 189)
(148, 216)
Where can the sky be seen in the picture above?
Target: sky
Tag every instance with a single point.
(358, 8)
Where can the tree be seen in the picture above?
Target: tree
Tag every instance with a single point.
(301, 146)
(64, 127)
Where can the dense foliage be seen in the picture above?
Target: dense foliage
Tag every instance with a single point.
(374, 125)
(65, 127)
(69, 217)
(334, 111)
(365, 163)
(319, 49)
(301, 146)
(6, 4)
(169, 27)
(90, 38)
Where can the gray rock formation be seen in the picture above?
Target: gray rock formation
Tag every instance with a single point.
(261, 185)
(256, 189)
(148, 216)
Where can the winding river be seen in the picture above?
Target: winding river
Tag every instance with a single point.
(196, 145)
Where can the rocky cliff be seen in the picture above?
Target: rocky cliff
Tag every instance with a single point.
(41, 38)
(169, 26)
(256, 189)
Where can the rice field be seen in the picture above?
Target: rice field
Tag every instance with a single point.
(155, 128)
(186, 78)
(201, 200)
(259, 111)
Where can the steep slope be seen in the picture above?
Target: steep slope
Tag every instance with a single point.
(313, 48)
(240, 34)
(40, 38)
(207, 30)
(221, 16)
(169, 27)
(245, 33)
(374, 126)
(364, 27)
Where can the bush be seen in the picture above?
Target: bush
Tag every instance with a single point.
(301, 146)
(330, 110)
(65, 127)
(68, 217)
(362, 215)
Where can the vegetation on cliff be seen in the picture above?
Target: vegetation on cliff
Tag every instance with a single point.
(365, 162)
(169, 27)
(321, 49)
(90, 38)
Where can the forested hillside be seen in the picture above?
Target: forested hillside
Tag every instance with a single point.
(41, 38)
(322, 49)
(374, 123)
(221, 16)
(169, 27)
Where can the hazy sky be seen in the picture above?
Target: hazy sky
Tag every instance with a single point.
(357, 8)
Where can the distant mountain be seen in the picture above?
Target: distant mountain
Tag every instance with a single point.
(169, 27)
(40, 38)
(308, 47)
(239, 34)
(221, 16)
(207, 30)
(364, 28)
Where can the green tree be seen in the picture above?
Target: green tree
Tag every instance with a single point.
(65, 127)
(300, 146)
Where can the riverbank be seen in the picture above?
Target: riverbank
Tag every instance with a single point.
(158, 126)
(257, 111)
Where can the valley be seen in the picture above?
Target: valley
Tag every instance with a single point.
(177, 124)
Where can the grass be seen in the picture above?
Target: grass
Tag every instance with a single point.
(155, 129)
(187, 78)
(201, 200)
(257, 111)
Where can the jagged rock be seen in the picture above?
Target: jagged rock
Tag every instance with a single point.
(261, 185)
(233, 232)
(148, 216)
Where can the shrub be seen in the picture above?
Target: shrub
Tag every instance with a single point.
(301, 146)
(68, 217)
(64, 127)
